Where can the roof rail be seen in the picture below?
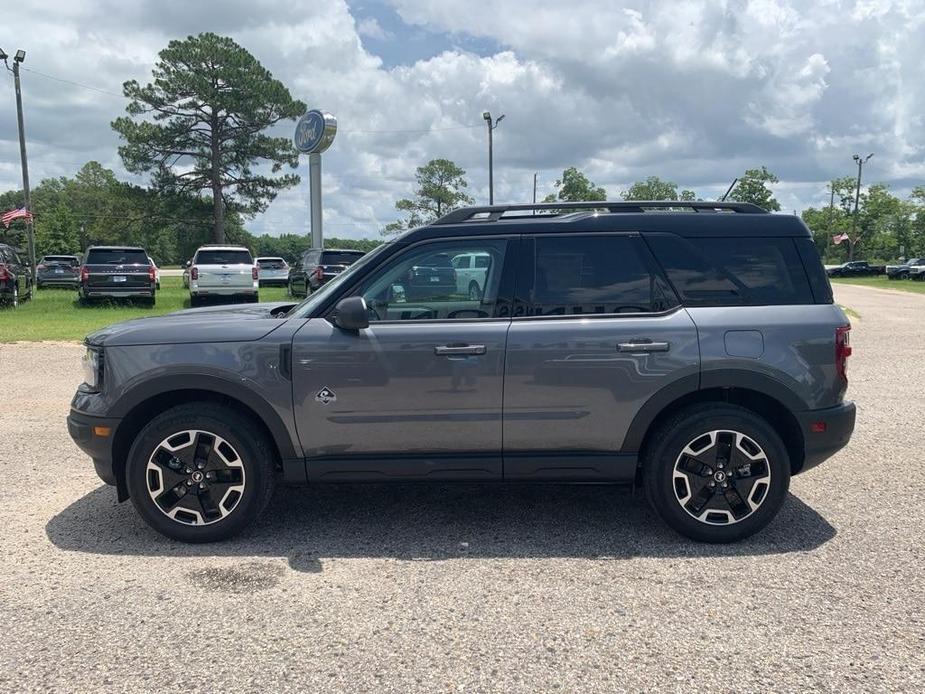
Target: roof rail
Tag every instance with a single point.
(492, 213)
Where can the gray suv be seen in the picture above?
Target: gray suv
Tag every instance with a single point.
(692, 348)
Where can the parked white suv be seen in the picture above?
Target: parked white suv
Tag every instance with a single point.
(222, 271)
(471, 271)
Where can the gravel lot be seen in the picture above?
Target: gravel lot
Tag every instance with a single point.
(382, 588)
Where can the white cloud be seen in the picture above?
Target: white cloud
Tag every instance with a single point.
(691, 91)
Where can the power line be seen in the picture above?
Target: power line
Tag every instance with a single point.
(76, 84)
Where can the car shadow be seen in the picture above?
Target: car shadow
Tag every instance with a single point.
(432, 522)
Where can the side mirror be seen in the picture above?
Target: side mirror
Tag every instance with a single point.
(351, 313)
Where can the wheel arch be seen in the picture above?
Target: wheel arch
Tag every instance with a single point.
(767, 398)
(139, 406)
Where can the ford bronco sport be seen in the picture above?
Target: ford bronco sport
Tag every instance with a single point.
(691, 347)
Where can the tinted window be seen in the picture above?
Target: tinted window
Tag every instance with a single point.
(340, 257)
(461, 262)
(422, 284)
(270, 262)
(116, 256)
(60, 259)
(574, 275)
(815, 271)
(224, 258)
(481, 261)
(733, 270)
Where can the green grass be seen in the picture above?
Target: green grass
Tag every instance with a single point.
(883, 283)
(54, 314)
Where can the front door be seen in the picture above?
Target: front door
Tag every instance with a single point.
(418, 394)
(596, 333)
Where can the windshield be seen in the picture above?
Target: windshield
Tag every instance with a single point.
(309, 304)
(60, 259)
(224, 258)
(270, 262)
(117, 256)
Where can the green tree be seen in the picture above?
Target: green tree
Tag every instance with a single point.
(58, 233)
(206, 110)
(574, 186)
(440, 189)
(753, 187)
(654, 188)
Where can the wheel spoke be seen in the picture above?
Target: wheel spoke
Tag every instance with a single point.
(736, 503)
(203, 451)
(700, 499)
(695, 466)
(725, 443)
(168, 499)
(210, 510)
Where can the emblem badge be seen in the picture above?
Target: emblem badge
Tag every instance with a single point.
(325, 396)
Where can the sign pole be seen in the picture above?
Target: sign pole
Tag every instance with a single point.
(314, 133)
(314, 184)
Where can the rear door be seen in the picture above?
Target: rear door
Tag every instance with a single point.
(225, 269)
(118, 269)
(597, 331)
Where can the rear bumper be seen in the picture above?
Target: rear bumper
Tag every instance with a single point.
(99, 292)
(86, 432)
(57, 281)
(837, 424)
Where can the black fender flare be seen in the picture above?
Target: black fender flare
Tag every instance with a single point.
(233, 389)
(719, 378)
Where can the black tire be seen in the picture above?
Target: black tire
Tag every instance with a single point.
(475, 293)
(194, 301)
(763, 482)
(254, 299)
(253, 482)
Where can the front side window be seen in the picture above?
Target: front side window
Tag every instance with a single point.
(594, 274)
(423, 284)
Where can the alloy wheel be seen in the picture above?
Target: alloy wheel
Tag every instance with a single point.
(721, 477)
(195, 477)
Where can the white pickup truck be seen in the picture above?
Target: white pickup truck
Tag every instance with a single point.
(222, 271)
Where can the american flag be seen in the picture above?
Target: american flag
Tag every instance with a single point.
(21, 213)
(838, 238)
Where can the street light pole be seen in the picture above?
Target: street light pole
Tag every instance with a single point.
(491, 175)
(30, 229)
(857, 197)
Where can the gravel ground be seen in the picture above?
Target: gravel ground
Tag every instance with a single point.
(468, 588)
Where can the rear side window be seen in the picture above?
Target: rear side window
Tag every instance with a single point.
(116, 256)
(733, 270)
(815, 271)
(594, 274)
(340, 258)
(224, 258)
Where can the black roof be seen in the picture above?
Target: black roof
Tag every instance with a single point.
(689, 219)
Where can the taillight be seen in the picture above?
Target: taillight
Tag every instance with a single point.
(40, 266)
(151, 274)
(4, 273)
(194, 273)
(84, 274)
(842, 350)
(254, 272)
(319, 273)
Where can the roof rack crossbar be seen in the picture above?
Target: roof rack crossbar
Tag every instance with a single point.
(492, 213)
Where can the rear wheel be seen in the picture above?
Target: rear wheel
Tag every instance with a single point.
(200, 472)
(194, 300)
(475, 294)
(716, 472)
(13, 301)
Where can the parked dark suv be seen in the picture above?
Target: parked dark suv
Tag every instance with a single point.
(693, 348)
(15, 277)
(316, 267)
(58, 271)
(117, 272)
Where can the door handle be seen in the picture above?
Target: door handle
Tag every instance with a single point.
(456, 350)
(642, 346)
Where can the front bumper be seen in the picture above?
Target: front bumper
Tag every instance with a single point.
(87, 432)
(825, 432)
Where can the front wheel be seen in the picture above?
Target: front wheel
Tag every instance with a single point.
(200, 472)
(716, 472)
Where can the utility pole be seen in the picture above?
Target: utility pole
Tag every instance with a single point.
(534, 191)
(857, 197)
(491, 175)
(831, 208)
(30, 228)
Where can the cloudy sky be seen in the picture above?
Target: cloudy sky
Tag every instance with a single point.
(695, 92)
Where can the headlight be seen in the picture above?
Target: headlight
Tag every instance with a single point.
(93, 367)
